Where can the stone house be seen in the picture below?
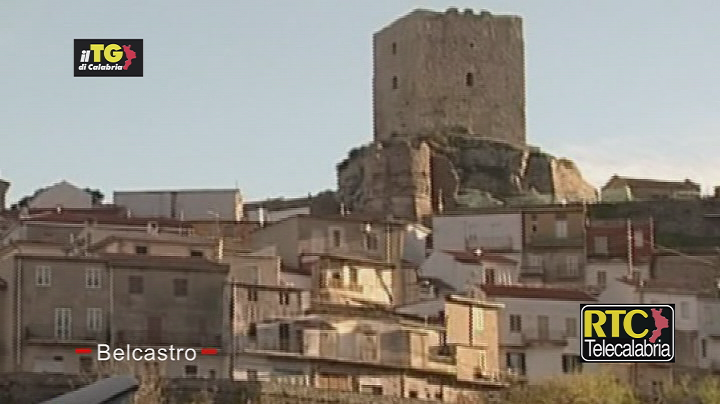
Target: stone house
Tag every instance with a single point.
(636, 189)
(464, 269)
(381, 351)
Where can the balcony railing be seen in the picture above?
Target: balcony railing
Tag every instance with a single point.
(341, 285)
(539, 337)
(145, 337)
(442, 353)
(554, 241)
(532, 270)
(48, 333)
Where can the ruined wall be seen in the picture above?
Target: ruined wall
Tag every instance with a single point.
(408, 178)
(454, 71)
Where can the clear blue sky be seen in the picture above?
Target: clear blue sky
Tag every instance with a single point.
(272, 94)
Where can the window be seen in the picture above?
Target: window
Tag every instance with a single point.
(413, 394)
(394, 83)
(482, 360)
(354, 277)
(572, 265)
(191, 371)
(639, 239)
(601, 245)
(135, 285)
(561, 228)
(141, 250)
(478, 321)
(252, 331)
(602, 278)
(684, 309)
(336, 237)
(571, 327)
(703, 348)
(369, 347)
(394, 48)
(535, 261)
(371, 241)
(196, 253)
(284, 298)
(515, 323)
(252, 375)
(254, 274)
(93, 278)
(489, 276)
(180, 287)
(86, 364)
(252, 295)
(43, 275)
(94, 319)
(571, 364)
(515, 361)
(63, 323)
(469, 80)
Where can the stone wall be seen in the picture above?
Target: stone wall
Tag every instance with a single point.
(678, 223)
(33, 388)
(463, 70)
(411, 177)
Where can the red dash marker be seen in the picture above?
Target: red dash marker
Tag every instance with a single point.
(83, 350)
(208, 351)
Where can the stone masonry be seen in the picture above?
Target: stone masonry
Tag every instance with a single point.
(412, 178)
(454, 71)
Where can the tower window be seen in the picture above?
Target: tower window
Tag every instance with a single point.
(394, 82)
(394, 48)
(469, 80)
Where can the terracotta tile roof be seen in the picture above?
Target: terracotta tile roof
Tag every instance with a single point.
(469, 257)
(158, 261)
(102, 218)
(534, 292)
(644, 182)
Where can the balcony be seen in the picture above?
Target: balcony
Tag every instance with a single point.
(443, 354)
(145, 337)
(545, 337)
(554, 241)
(339, 284)
(47, 334)
(532, 270)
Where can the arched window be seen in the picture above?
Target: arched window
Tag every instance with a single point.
(394, 82)
(469, 80)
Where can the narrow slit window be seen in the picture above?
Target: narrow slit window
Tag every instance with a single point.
(394, 82)
(469, 80)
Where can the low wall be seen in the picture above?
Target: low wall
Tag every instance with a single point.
(33, 388)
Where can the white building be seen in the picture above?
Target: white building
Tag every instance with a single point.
(195, 204)
(63, 194)
(463, 269)
(539, 329)
(496, 232)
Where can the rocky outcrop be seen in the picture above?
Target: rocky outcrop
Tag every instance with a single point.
(462, 170)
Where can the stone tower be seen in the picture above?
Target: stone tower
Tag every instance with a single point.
(452, 72)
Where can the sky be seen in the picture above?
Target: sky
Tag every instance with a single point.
(271, 95)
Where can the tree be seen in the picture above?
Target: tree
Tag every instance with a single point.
(96, 194)
(601, 388)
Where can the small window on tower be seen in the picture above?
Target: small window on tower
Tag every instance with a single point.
(394, 82)
(394, 48)
(469, 80)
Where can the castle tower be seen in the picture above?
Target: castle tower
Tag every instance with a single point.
(456, 72)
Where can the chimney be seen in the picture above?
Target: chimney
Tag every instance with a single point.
(4, 185)
(261, 216)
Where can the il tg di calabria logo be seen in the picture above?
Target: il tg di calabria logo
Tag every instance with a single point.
(627, 333)
(104, 353)
(108, 58)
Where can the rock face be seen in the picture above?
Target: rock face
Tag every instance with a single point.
(412, 178)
